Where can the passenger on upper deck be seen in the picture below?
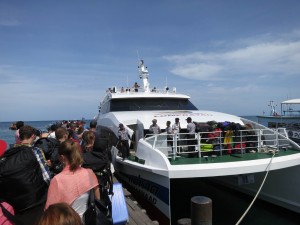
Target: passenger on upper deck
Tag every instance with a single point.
(154, 128)
(169, 132)
(176, 130)
(136, 87)
(191, 127)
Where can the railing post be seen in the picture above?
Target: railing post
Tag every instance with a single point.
(220, 141)
(199, 144)
(277, 139)
(155, 139)
(174, 149)
(241, 142)
(259, 140)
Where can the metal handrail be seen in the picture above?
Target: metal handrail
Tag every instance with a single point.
(241, 141)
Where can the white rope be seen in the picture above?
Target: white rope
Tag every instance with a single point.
(262, 184)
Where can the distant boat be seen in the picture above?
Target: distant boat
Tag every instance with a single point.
(288, 118)
(238, 157)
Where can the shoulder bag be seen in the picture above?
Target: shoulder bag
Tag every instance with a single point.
(96, 213)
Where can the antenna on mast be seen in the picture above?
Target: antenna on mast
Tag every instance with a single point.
(137, 52)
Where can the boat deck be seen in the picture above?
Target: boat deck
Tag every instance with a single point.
(181, 160)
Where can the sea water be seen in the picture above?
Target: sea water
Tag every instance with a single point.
(9, 135)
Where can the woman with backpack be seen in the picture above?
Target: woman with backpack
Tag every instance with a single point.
(74, 183)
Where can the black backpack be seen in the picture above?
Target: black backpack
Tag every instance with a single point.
(21, 180)
(50, 148)
(99, 162)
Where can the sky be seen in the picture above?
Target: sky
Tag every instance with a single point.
(57, 58)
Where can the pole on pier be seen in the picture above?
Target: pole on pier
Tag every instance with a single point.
(201, 210)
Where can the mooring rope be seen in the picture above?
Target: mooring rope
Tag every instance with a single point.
(262, 184)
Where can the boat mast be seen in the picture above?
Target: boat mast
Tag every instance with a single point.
(273, 109)
(144, 75)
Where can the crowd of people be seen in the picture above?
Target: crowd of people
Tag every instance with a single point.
(43, 175)
(227, 136)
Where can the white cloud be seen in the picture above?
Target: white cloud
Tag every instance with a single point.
(266, 59)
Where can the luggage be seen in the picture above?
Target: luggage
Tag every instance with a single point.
(119, 207)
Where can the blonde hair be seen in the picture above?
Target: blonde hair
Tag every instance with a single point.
(71, 151)
(60, 214)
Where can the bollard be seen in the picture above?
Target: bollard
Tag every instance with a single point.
(184, 221)
(201, 210)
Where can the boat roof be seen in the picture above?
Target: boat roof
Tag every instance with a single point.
(292, 101)
(140, 94)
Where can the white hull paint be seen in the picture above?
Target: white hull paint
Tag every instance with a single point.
(281, 187)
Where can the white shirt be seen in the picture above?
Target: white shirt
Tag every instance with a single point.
(176, 128)
(191, 127)
(155, 129)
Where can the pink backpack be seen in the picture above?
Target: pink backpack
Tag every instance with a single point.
(6, 213)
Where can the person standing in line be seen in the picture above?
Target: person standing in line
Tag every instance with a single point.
(53, 128)
(90, 140)
(93, 126)
(169, 132)
(73, 184)
(191, 127)
(60, 214)
(124, 141)
(154, 128)
(25, 190)
(19, 124)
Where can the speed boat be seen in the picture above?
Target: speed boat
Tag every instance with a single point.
(238, 154)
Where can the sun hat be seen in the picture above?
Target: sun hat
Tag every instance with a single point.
(3, 147)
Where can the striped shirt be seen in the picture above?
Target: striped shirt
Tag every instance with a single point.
(42, 161)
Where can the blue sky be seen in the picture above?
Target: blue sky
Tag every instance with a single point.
(57, 58)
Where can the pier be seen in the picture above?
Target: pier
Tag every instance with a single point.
(136, 214)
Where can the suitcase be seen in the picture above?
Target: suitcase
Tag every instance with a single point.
(119, 206)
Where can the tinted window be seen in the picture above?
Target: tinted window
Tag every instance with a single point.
(148, 104)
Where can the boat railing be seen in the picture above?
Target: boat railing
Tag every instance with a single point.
(220, 143)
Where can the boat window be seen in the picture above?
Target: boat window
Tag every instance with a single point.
(105, 108)
(142, 104)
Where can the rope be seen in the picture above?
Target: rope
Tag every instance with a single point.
(262, 184)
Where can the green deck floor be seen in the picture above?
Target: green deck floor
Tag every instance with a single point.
(229, 158)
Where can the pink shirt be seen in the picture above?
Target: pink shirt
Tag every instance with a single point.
(67, 186)
(3, 219)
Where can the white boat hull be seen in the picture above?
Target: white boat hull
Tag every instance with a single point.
(155, 185)
(280, 188)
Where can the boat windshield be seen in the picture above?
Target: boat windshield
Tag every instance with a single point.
(142, 104)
